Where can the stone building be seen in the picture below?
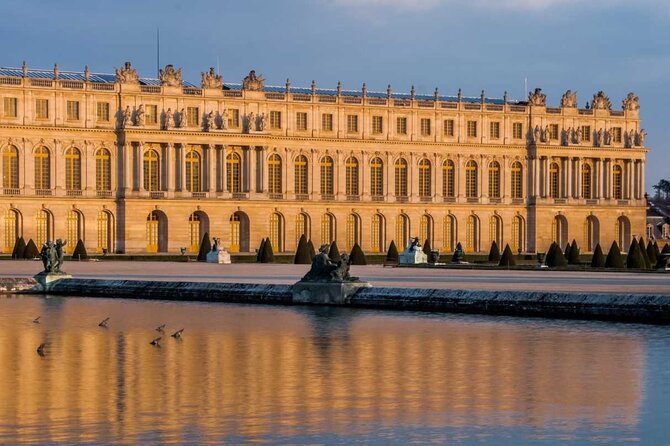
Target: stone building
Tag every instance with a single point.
(136, 165)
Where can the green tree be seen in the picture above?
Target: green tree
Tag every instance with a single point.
(267, 255)
(643, 252)
(494, 252)
(19, 249)
(31, 250)
(555, 257)
(598, 259)
(507, 258)
(302, 256)
(614, 258)
(79, 252)
(312, 252)
(259, 252)
(334, 252)
(653, 258)
(573, 253)
(426, 247)
(392, 253)
(205, 248)
(357, 256)
(634, 259)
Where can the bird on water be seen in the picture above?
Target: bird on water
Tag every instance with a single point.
(103, 323)
(155, 342)
(160, 328)
(177, 334)
(37, 320)
(41, 348)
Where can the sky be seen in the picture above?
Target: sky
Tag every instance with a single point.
(616, 46)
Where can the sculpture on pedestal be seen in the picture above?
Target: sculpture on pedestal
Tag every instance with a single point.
(261, 122)
(326, 270)
(631, 102)
(253, 82)
(251, 122)
(139, 116)
(127, 75)
(170, 77)
(126, 117)
(537, 98)
(224, 119)
(211, 121)
(211, 79)
(183, 120)
(413, 254)
(52, 256)
(169, 119)
(569, 99)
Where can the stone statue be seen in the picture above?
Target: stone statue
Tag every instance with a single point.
(170, 77)
(253, 82)
(251, 122)
(52, 256)
(537, 98)
(641, 137)
(261, 122)
(211, 121)
(169, 119)
(218, 254)
(458, 254)
(545, 134)
(211, 79)
(630, 138)
(565, 136)
(183, 120)
(224, 119)
(578, 135)
(599, 142)
(326, 270)
(631, 102)
(569, 99)
(126, 117)
(537, 133)
(127, 75)
(139, 116)
(413, 254)
(609, 136)
(601, 102)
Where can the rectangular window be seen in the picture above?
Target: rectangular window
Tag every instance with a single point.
(517, 130)
(11, 108)
(327, 122)
(616, 136)
(472, 129)
(377, 125)
(275, 119)
(352, 123)
(553, 131)
(102, 111)
(73, 110)
(301, 121)
(152, 114)
(448, 127)
(193, 116)
(425, 127)
(586, 133)
(41, 108)
(234, 118)
(495, 130)
(401, 126)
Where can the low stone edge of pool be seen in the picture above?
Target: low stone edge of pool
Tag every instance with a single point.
(623, 307)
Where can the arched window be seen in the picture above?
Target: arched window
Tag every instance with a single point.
(377, 231)
(622, 233)
(194, 236)
(300, 172)
(560, 231)
(353, 231)
(10, 168)
(327, 187)
(302, 226)
(274, 175)
(518, 234)
(617, 182)
(400, 168)
(103, 170)
(376, 177)
(448, 179)
(471, 179)
(425, 175)
(233, 173)
(12, 229)
(151, 168)
(554, 181)
(494, 179)
(351, 165)
(402, 231)
(517, 180)
(277, 231)
(327, 228)
(42, 168)
(74, 231)
(426, 229)
(193, 171)
(586, 181)
(44, 226)
(472, 234)
(157, 234)
(105, 232)
(496, 231)
(591, 233)
(72, 169)
(665, 230)
(449, 233)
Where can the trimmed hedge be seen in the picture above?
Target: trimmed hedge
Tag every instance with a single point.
(334, 252)
(392, 253)
(573, 253)
(205, 248)
(259, 253)
(494, 252)
(634, 259)
(614, 258)
(302, 256)
(79, 252)
(459, 247)
(598, 259)
(643, 251)
(357, 256)
(426, 247)
(312, 252)
(555, 257)
(267, 255)
(31, 250)
(19, 248)
(507, 258)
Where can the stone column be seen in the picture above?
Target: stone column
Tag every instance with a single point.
(57, 169)
(340, 176)
(578, 178)
(223, 167)
(182, 167)
(125, 163)
(597, 179)
(262, 170)
(288, 174)
(389, 177)
(569, 182)
(314, 176)
(28, 177)
(460, 177)
(439, 178)
(628, 170)
(505, 180)
(483, 180)
(251, 169)
(139, 165)
(413, 178)
(171, 169)
(211, 169)
(534, 190)
(642, 190)
(362, 176)
(545, 171)
(610, 178)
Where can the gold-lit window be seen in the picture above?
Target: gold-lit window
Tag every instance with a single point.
(377, 125)
(425, 127)
(425, 175)
(235, 232)
(586, 133)
(495, 230)
(327, 122)
(517, 130)
(617, 134)
(11, 230)
(449, 233)
(275, 119)
(351, 174)
(42, 168)
(300, 175)
(471, 179)
(553, 132)
(301, 121)
(234, 118)
(72, 169)
(72, 111)
(10, 107)
(517, 234)
(151, 114)
(426, 229)
(152, 232)
(494, 130)
(494, 180)
(401, 126)
(274, 174)
(402, 230)
(448, 178)
(472, 129)
(277, 232)
(103, 167)
(193, 116)
(151, 170)
(302, 227)
(377, 233)
(194, 232)
(353, 231)
(554, 181)
(72, 230)
(233, 171)
(193, 171)
(400, 168)
(448, 127)
(586, 181)
(102, 111)
(617, 183)
(591, 233)
(517, 180)
(10, 167)
(41, 108)
(44, 227)
(376, 177)
(472, 234)
(352, 123)
(104, 232)
(326, 171)
(327, 228)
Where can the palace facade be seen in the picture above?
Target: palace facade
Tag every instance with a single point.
(134, 165)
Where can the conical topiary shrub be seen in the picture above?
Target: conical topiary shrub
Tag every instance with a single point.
(598, 259)
(205, 248)
(573, 253)
(357, 256)
(426, 247)
(657, 252)
(643, 252)
(507, 258)
(259, 253)
(79, 252)
(267, 255)
(312, 252)
(651, 253)
(459, 254)
(334, 252)
(392, 253)
(634, 259)
(614, 258)
(494, 253)
(302, 256)
(566, 252)
(19, 248)
(31, 250)
(555, 257)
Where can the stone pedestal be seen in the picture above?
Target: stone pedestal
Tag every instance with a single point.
(413, 257)
(45, 278)
(326, 293)
(220, 257)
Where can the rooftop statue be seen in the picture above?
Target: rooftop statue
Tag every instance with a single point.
(569, 99)
(127, 75)
(169, 119)
(170, 77)
(211, 79)
(126, 117)
(139, 116)
(326, 270)
(631, 102)
(253, 82)
(537, 98)
(601, 102)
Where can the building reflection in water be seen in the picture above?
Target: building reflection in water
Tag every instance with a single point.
(244, 372)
